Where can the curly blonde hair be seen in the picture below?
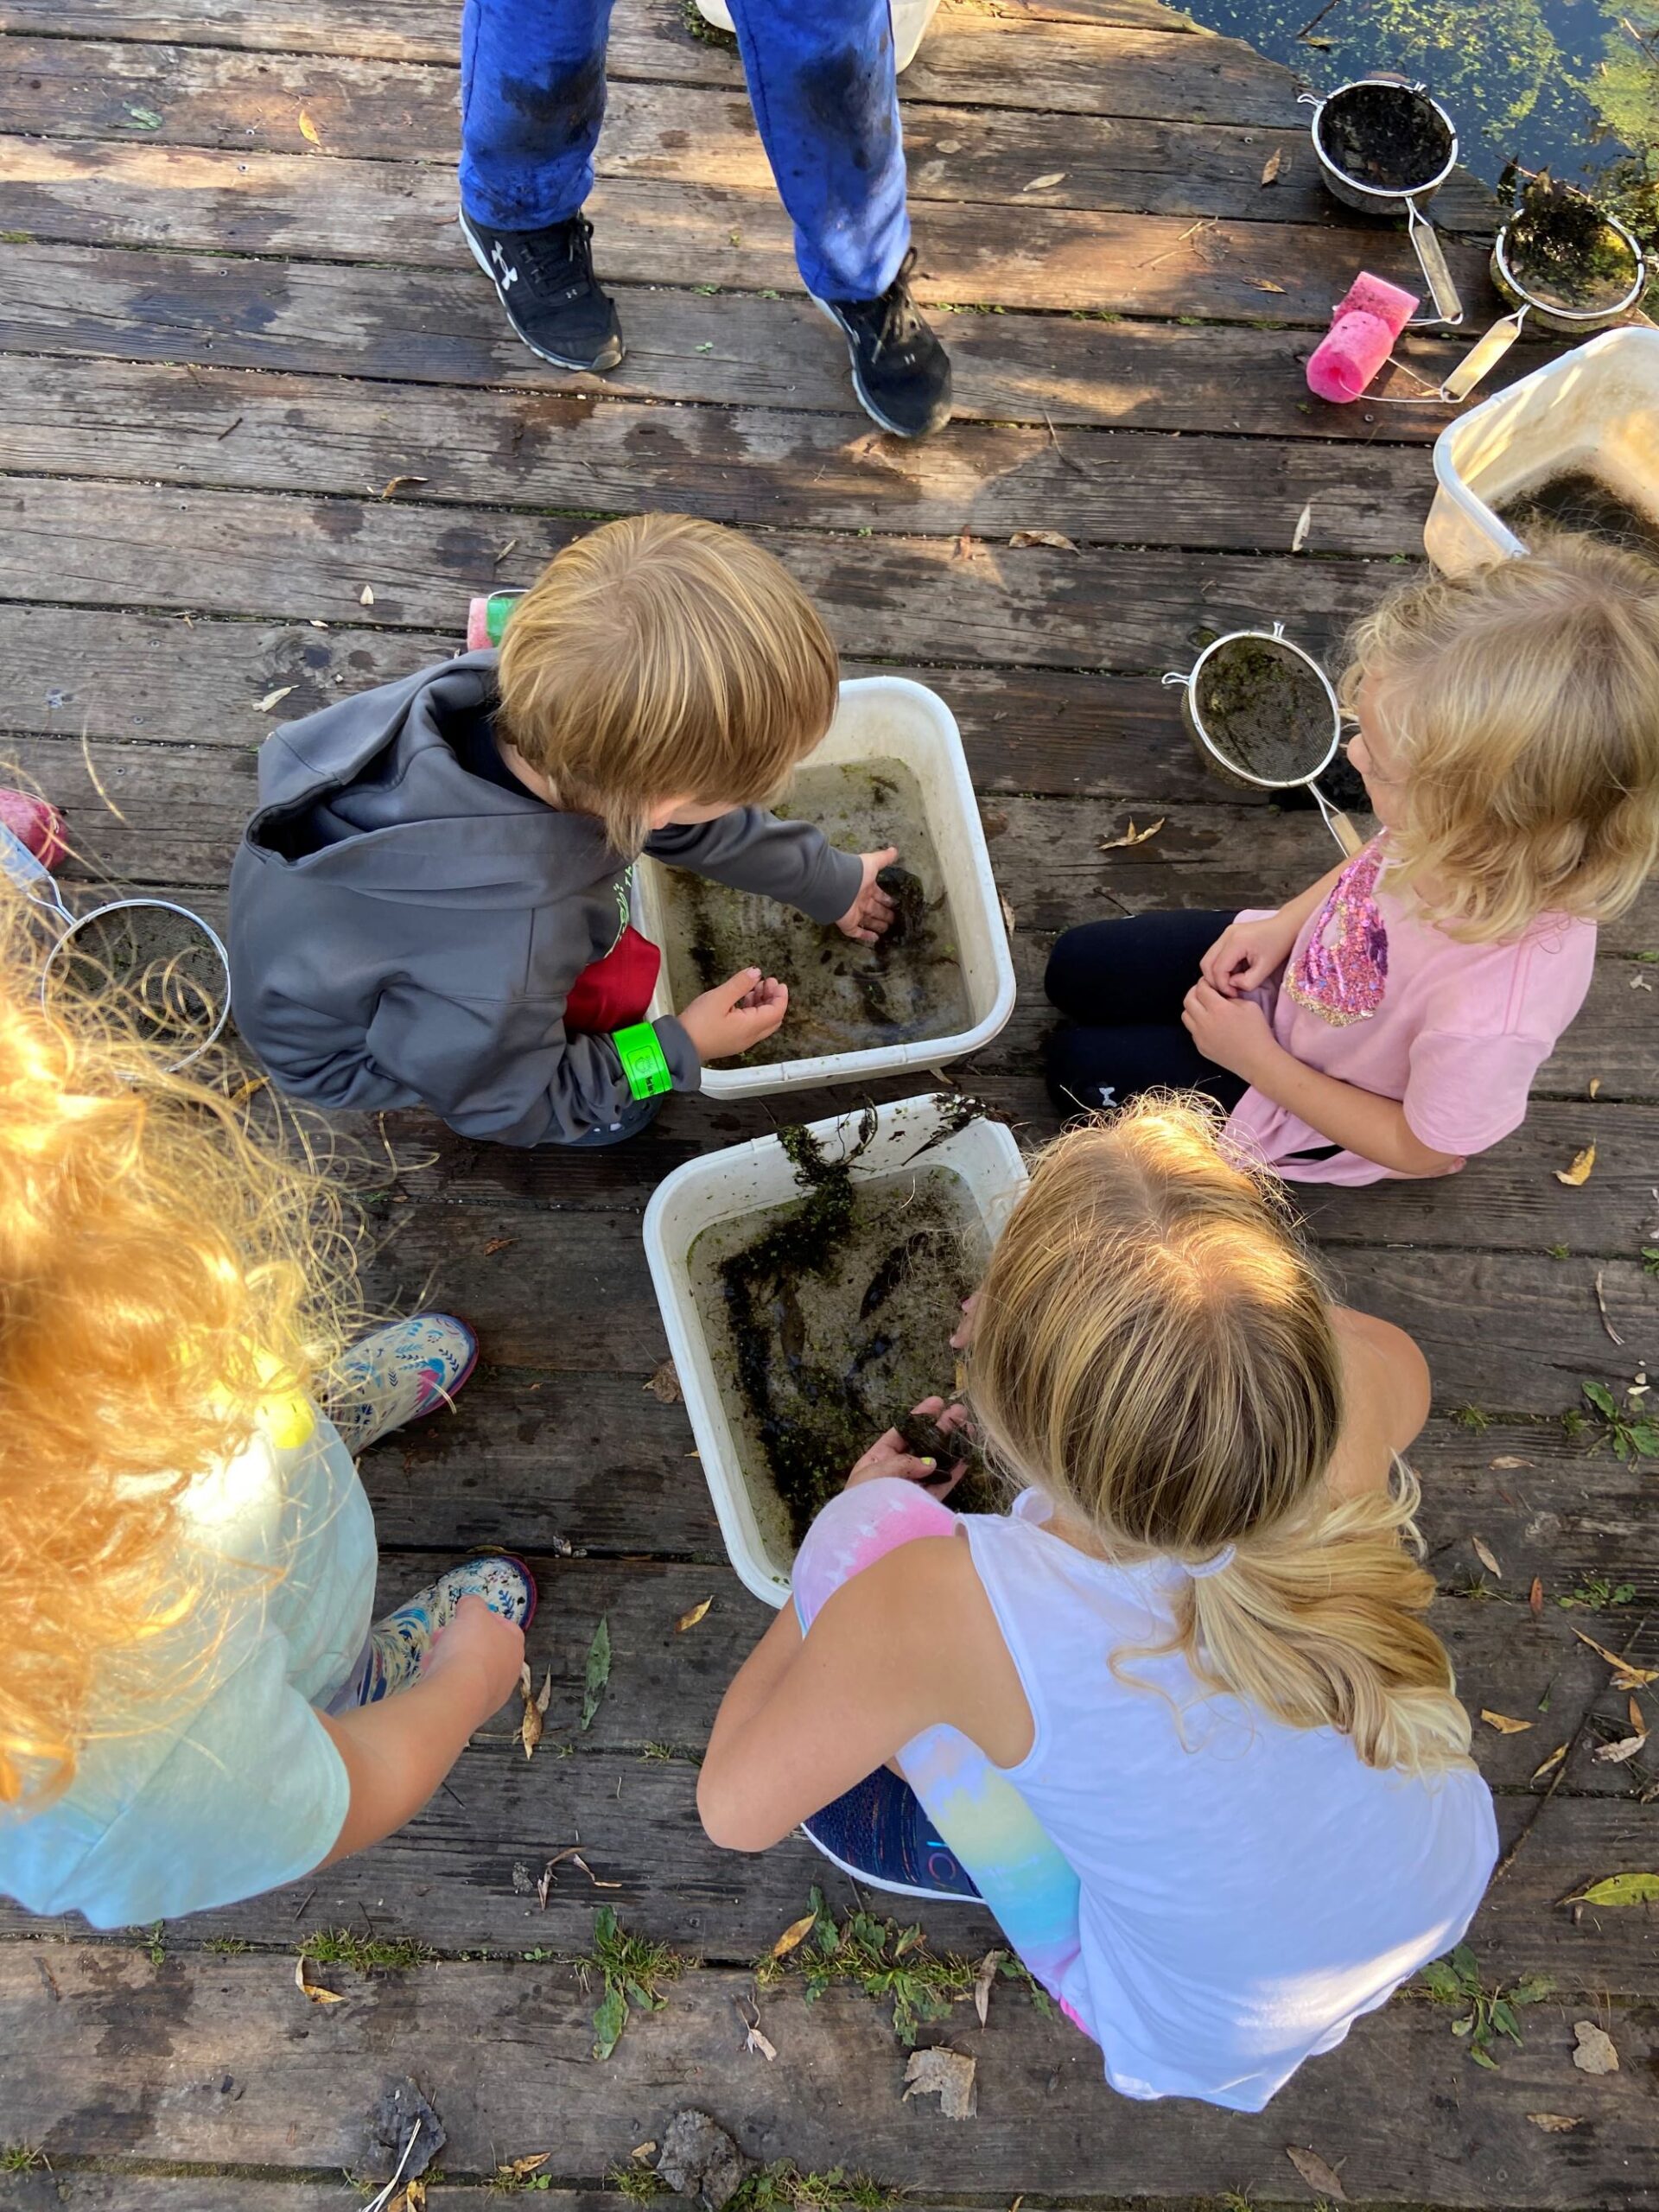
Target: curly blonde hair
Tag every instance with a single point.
(661, 656)
(1521, 702)
(1153, 1349)
(165, 1269)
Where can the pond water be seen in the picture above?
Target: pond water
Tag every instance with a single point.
(1572, 86)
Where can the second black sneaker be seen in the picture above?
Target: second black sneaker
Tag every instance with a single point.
(545, 281)
(900, 371)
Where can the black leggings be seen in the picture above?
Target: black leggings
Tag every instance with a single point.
(1120, 984)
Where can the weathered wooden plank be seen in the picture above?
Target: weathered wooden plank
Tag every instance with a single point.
(1058, 258)
(111, 2056)
(445, 327)
(231, 430)
(71, 88)
(892, 598)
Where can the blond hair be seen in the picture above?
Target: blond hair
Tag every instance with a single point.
(1522, 703)
(1154, 1349)
(164, 1270)
(663, 658)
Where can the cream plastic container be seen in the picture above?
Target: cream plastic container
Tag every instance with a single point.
(887, 717)
(750, 1178)
(910, 21)
(1597, 407)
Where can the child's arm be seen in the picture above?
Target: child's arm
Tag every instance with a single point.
(396, 1752)
(1236, 1034)
(751, 850)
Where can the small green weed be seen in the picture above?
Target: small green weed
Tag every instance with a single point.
(633, 1970)
(1633, 1433)
(20, 2158)
(227, 1946)
(782, 2187)
(1560, 1252)
(1596, 1593)
(1471, 1417)
(152, 1943)
(1650, 1259)
(1487, 2013)
(636, 2182)
(341, 1947)
(891, 1963)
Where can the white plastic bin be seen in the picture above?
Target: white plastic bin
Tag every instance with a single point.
(888, 717)
(910, 21)
(1597, 405)
(750, 1178)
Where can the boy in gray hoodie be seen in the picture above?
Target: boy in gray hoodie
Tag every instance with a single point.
(431, 906)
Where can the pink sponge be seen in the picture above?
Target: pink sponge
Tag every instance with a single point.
(1361, 338)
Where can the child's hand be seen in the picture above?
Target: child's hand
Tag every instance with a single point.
(735, 1015)
(887, 1455)
(1246, 954)
(480, 1644)
(1233, 1032)
(871, 911)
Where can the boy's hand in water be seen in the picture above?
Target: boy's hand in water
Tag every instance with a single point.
(890, 1455)
(735, 1015)
(871, 911)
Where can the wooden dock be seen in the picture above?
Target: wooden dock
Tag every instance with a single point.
(266, 431)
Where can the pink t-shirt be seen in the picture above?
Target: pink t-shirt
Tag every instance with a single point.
(1376, 996)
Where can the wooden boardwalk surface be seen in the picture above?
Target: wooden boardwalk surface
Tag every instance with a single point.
(224, 333)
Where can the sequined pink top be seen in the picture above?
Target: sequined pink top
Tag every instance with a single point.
(1374, 995)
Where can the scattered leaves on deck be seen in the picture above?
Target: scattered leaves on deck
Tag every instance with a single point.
(1317, 2172)
(1578, 1172)
(664, 1385)
(1132, 836)
(1619, 1888)
(1057, 538)
(1550, 1764)
(145, 117)
(313, 1990)
(690, 1619)
(598, 1671)
(1043, 183)
(1616, 1754)
(272, 699)
(1625, 1676)
(1272, 166)
(498, 1244)
(1304, 523)
(982, 1980)
(1483, 1553)
(1535, 1597)
(365, 597)
(1553, 2123)
(1503, 1724)
(1595, 2053)
(521, 2168)
(393, 483)
(948, 2075)
(309, 130)
(533, 1720)
(794, 1934)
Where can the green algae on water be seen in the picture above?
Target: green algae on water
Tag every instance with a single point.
(829, 1317)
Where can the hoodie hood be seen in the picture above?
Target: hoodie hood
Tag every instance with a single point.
(369, 795)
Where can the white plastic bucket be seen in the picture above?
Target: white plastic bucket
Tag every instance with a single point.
(1597, 405)
(749, 1178)
(888, 717)
(910, 21)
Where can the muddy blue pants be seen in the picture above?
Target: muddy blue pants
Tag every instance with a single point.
(821, 78)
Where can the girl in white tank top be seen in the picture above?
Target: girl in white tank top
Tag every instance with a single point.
(1177, 1717)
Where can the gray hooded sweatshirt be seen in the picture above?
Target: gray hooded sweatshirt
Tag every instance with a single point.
(405, 931)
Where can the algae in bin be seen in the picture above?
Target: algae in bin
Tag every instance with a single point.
(827, 1317)
(843, 997)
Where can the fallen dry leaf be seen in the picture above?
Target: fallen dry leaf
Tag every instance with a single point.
(1595, 1085)
(948, 2075)
(1578, 1172)
(1616, 1754)
(1502, 1723)
(1509, 1459)
(498, 1244)
(754, 2040)
(1625, 1677)
(1057, 538)
(1551, 1763)
(795, 1933)
(643, 2150)
(1009, 922)
(1640, 983)
(1304, 523)
(1272, 166)
(392, 483)
(664, 1385)
(309, 130)
(1042, 183)
(1638, 1719)
(313, 1990)
(1484, 1554)
(690, 1619)
(412, 2198)
(518, 2169)
(1315, 2171)
(1595, 2053)
(963, 547)
(271, 699)
(1132, 836)
(1535, 1597)
(365, 597)
(1266, 284)
(533, 1721)
(1619, 1890)
(982, 1980)
(1553, 2123)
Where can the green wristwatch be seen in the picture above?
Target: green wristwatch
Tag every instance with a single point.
(642, 1063)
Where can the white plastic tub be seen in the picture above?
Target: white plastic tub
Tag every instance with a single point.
(750, 1178)
(1597, 405)
(910, 21)
(888, 717)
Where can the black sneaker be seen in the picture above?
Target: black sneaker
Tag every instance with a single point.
(900, 371)
(545, 281)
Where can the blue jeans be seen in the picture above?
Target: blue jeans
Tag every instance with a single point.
(821, 83)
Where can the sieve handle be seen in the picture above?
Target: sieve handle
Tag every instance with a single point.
(1431, 259)
(1483, 357)
(1338, 824)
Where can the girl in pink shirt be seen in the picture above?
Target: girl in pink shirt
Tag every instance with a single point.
(1390, 1019)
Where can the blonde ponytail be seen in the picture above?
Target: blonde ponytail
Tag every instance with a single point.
(1153, 1351)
